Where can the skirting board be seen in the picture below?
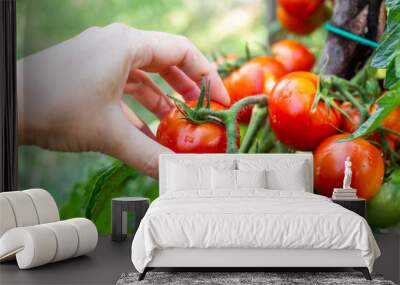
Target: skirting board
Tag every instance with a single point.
(176, 257)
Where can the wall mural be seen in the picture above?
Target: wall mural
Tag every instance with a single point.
(94, 114)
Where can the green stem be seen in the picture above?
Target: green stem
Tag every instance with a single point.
(228, 117)
(265, 140)
(231, 130)
(390, 131)
(231, 134)
(356, 103)
(342, 86)
(258, 116)
(345, 85)
(363, 74)
(259, 99)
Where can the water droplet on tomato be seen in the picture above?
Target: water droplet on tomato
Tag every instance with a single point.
(188, 139)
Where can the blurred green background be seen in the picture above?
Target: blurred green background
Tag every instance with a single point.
(211, 25)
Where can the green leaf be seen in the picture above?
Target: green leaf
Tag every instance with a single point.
(387, 48)
(386, 104)
(393, 72)
(107, 181)
(393, 18)
(392, 4)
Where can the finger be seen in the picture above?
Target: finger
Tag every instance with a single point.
(147, 93)
(136, 121)
(161, 51)
(130, 145)
(181, 83)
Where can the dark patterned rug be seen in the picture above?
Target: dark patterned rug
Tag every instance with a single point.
(232, 278)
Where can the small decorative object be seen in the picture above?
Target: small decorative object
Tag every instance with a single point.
(345, 193)
(347, 174)
(120, 207)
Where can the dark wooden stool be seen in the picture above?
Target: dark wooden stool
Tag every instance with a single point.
(120, 208)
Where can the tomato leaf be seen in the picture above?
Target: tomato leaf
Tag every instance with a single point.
(387, 48)
(107, 181)
(386, 104)
(393, 18)
(393, 72)
(392, 4)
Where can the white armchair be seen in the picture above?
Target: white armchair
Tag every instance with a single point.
(31, 230)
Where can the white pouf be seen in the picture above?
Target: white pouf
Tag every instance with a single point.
(31, 233)
(46, 207)
(7, 220)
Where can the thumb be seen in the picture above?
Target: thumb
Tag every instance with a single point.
(127, 143)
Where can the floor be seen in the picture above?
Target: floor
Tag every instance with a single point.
(110, 259)
(103, 266)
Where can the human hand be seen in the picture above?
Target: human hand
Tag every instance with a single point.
(70, 95)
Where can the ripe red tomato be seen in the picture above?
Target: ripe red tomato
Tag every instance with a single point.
(273, 71)
(393, 122)
(300, 8)
(246, 81)
(182, 136)
(293, 55)
(302, 25)
(367, 166)
(257, 76)
(291, 118)
(352, 124)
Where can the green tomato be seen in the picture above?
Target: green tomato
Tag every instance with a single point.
(384, 208)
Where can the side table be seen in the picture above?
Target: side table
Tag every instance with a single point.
(120, 208)
(357, 205)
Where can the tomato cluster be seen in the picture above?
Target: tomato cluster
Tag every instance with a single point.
(260, 74)
(295, 118)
